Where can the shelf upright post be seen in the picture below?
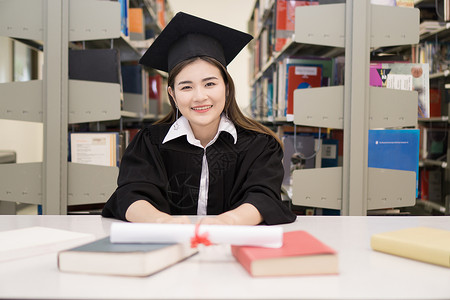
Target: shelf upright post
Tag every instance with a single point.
(54, 177)
(356, 107)
(64, 105)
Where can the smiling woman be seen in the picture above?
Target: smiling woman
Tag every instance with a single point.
(199, 94)
(205, 157)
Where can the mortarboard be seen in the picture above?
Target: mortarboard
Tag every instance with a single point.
(187, 36)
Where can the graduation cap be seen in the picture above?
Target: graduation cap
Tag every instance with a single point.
(187, 36)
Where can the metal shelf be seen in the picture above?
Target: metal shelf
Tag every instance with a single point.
(292, 48)
(22, 101)
(86, 23)
(53, 23)
(434, 119)
(325, 25)
(433, 163)
(323, 188)
(90, 184)
(91, 101)
(21, 183)
(324, 107)
(356, 107)
(22, 19)
(432, 205)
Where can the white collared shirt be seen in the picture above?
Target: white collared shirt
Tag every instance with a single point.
(182, 127)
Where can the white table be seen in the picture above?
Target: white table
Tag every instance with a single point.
(214, 274)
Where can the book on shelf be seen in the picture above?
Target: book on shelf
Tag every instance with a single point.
(338, 71)
(137, 23)
(301, 254)
(133, 78)
(426, 244)
(435, 102)
(284, 95)
(124, 21)
(94, 148)
(400, 3)
(262, 99)
(155, 94)
(338, 134)
(95, 65)
(300, 77)
(329, 150)
(285, 20)
(161, 13)
(404, 76)
(265, 50)
(103, 257)
(396, 149)
(435, 54)
(37, 240)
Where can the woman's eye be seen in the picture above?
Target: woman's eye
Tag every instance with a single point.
(210, 84)
(186, 87)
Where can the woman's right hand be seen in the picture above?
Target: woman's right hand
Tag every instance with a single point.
(142, 211)
(173, 220)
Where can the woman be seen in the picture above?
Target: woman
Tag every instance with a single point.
(205, 157)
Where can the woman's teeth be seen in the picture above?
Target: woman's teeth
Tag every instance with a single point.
(202, 107)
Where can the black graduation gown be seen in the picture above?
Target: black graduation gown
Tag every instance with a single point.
(168, 175)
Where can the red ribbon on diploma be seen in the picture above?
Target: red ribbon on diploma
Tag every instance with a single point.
(200, 238)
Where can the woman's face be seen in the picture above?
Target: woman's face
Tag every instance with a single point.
(199, 92)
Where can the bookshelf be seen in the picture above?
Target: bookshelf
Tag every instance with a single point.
(355, 107)
(352, 28)
(434, 159)
(59, 102)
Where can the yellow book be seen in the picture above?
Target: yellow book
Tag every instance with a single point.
(425, 244)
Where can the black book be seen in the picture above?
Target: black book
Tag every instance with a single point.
(105, 258)
(95, 65)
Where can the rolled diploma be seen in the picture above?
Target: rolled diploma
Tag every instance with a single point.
(262, 236)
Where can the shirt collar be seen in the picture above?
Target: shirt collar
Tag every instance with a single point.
(182, 127)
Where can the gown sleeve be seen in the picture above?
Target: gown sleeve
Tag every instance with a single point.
(264, 176)
(141, 177)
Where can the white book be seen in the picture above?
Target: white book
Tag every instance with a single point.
(31, 241)
(94, 148)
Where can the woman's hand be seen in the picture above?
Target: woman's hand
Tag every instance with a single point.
(173, 220)
(142, 211)
(246, 214)
(217, 220)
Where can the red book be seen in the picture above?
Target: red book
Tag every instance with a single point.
(301, 77)
(435, 103)
(301, 254)
(424, 184)
(285, 20)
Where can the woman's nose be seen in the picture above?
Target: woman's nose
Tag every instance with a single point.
(200, 94)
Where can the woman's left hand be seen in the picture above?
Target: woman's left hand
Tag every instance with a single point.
(245, 214)
(217, 220)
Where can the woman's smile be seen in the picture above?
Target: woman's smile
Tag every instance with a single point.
(203, 108)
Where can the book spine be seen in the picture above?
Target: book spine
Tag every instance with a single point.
(243, 259)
